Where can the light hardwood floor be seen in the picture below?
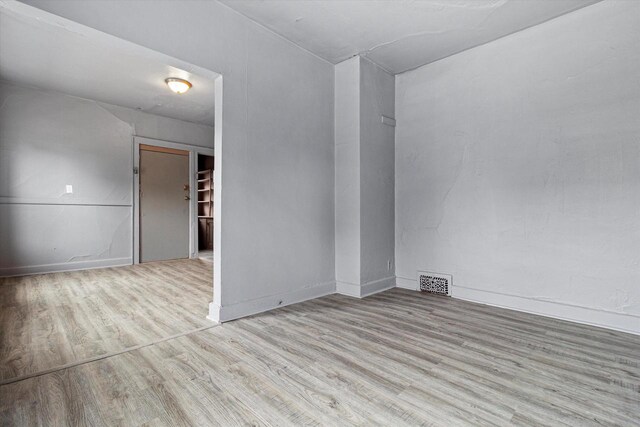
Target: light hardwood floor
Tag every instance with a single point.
(395, 358)
(51, 320)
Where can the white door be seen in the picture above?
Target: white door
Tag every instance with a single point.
(164, 204)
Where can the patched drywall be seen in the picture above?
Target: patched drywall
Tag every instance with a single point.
(39, 238)
(518, 169)
(364, 94)
(277, 203)
(399, 35)
(48, 141)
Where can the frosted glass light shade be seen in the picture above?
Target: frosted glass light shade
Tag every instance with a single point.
(178, 85)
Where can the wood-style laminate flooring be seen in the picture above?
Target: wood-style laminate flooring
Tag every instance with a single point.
(395, 358)
(56, 319)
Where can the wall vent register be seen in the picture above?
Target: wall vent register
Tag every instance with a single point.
(434, 283)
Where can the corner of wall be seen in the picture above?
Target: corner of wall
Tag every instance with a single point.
(365, 289)
(226, 313)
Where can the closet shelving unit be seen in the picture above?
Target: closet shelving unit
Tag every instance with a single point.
(205, 194)
(205, 204)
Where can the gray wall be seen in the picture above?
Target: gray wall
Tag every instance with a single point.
(377, 181)
(364, 178)
(347, 165)
(49, 140)
(277, 153)
(518, 169)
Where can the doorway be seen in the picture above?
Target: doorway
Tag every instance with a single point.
(164, 203)
(184, 187)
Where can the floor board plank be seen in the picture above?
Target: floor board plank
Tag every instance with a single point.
(396, 358)
(51, 320)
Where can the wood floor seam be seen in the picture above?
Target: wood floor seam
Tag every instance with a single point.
(101, 357)
(58, 319)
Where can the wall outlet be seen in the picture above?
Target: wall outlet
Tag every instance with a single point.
(68, 189)
(388, 121)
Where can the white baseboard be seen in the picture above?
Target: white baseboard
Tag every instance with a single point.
(411, 284)
(589, 316)
(573, 313)
(366, 289)
(64, 266)
(349, 289)
(376, 286)
(260, 305)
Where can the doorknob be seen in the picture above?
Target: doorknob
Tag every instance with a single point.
(187, 198)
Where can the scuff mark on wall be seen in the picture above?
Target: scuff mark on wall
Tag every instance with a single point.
(80, 257)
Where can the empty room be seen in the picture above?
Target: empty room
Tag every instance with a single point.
(318, 212)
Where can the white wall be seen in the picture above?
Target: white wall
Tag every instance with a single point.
(49, 140)
(377, 99)
(518, 169)
(347, 165)
(277, 232)
(364, 178)
(164, 128)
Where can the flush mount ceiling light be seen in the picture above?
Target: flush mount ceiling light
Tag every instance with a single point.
(178, 85)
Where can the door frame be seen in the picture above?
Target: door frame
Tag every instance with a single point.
(193, 150)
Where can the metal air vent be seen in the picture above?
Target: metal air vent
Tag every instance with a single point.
(435, 283)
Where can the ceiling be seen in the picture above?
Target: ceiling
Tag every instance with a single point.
(398, 35)
(76, 60)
